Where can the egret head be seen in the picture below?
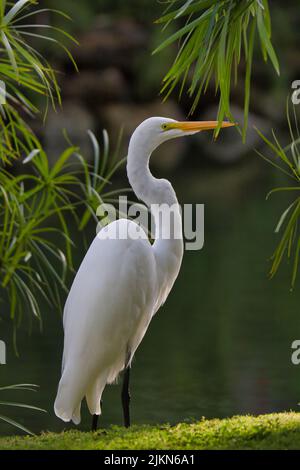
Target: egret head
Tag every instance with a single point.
(156, 130)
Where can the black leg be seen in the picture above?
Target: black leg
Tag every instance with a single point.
(95, 422)
(126, 397)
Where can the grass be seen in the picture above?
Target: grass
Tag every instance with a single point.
(272, 431)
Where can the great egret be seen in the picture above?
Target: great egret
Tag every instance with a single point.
(121, 283)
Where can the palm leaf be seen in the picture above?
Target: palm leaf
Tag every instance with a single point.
(215, 37)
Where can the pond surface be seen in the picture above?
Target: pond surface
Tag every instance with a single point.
(220, 346)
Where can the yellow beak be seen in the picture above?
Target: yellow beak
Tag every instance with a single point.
(200, 125)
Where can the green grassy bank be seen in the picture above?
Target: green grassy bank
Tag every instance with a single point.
(273, 431)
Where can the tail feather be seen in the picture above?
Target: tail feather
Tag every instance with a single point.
(76, 418)
(65, 413)
(68, 400)
(77, 382)
(94, 393)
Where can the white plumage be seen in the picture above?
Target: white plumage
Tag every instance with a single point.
(107, 313)
(121, 282)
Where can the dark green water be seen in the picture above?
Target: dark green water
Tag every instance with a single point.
(220, 346)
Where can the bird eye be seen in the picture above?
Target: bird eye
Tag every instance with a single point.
(164, 127)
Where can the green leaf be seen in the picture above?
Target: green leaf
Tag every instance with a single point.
(248, 78)
(16, 424)
(213, 40)
(265, 40)
(11, 14)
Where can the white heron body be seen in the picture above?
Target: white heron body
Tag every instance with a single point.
(119, 286)
(122, 281)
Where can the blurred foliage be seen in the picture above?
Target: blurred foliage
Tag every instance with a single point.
(22, 388)
(84, 12)
(287, 160)
(41, 197)
(215, 36)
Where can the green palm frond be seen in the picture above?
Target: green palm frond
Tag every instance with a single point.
(215, 37)
(31, 265)
(25, 71)
(287, 160)
(36, 246)
(22, 388)
(25, 65)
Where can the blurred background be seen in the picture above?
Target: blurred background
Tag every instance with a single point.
(221, 345)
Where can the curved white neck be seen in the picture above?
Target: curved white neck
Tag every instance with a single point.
(168, 244)
(155, 193)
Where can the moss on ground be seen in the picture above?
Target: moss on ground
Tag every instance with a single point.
(273, 431)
